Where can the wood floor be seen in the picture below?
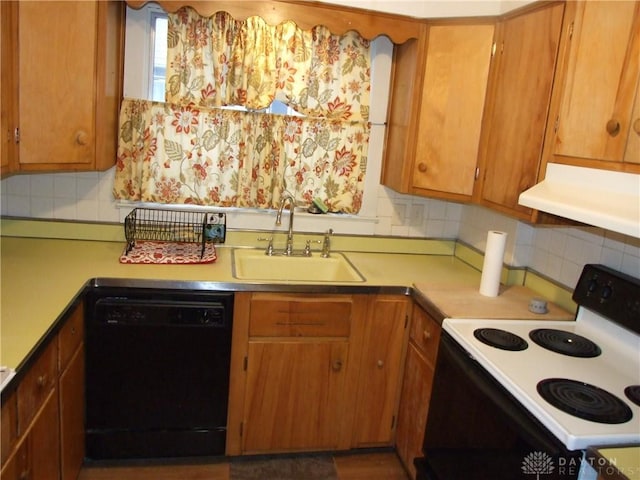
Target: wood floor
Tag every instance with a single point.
(362, 466)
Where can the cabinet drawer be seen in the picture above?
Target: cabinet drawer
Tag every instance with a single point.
(300, 316)
(70, 336)
(36, 385)
(425, 333)
(8, 426)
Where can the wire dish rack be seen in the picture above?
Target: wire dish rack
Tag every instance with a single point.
(174, 227)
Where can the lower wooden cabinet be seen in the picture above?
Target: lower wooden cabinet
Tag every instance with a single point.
(314, 371)
(295, 394)
(416, 387)
(380, 370)
(71, 395)
(43, 418)
(37, 455)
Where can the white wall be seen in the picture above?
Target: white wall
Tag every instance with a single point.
(556, 252)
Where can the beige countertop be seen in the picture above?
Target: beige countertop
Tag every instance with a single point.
(40, 277)
(465, 301)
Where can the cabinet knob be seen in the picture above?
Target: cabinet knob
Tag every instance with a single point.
(422, 167)
(337, 366)
(380, 363)
(41, 381)
(426, 335)
(24, 475)
(82, 138)
(636, 126)
(613, 127)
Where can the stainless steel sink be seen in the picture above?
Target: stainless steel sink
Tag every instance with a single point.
(253, 264)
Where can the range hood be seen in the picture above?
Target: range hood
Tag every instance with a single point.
(602, 198)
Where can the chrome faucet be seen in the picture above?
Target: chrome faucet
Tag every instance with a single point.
(326, 244)
(289, 248)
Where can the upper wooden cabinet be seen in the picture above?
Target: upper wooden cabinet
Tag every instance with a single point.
(517, 107)
(8, 85)
(68, 82)
(436, 107)
(593, 120)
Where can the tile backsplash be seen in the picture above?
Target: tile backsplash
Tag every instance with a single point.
(556, 252)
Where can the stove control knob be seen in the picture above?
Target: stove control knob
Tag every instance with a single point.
(607, 291)
(592, 286)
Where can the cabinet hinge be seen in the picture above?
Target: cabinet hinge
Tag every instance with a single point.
(241, 428)
(477, 174)
(406, 321)
(245, 363)
(16, 135)
(570, 30)
(393, 422)
(493, 49)
(556, 125)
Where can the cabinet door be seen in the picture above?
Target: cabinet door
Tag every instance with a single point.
(38, 454)
(414, 405)
(603, 65)
(632, 154)
(514, 128)
(416, 386)
(8, 425)
(294, 394)
(70, 84)
(44, 442)
(380, 371)
(57, 82)
(8, 85)
(452, 104)
(72, 416)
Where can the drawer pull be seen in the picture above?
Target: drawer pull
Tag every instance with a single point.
(613, 127)
(41, 381)
(426, 335)
(82, 138)
(337, 366)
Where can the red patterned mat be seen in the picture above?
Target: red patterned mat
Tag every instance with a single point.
(169, 253)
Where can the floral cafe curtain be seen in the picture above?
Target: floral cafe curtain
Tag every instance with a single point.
(190, 149)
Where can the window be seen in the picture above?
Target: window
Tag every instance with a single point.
(159, 57)
(144, 68)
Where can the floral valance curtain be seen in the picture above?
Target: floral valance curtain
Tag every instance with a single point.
(190, 150)
(218, 61)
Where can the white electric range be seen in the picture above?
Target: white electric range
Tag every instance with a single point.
(576, 382)
(615, 369)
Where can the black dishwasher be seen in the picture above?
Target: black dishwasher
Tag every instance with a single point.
(157, 372)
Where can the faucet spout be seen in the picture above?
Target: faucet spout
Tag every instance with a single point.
(288, 197)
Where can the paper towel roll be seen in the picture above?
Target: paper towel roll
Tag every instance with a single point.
(492, 265)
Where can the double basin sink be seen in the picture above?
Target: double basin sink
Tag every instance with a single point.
(254, 265)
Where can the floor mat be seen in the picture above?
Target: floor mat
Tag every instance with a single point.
(284, 468)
